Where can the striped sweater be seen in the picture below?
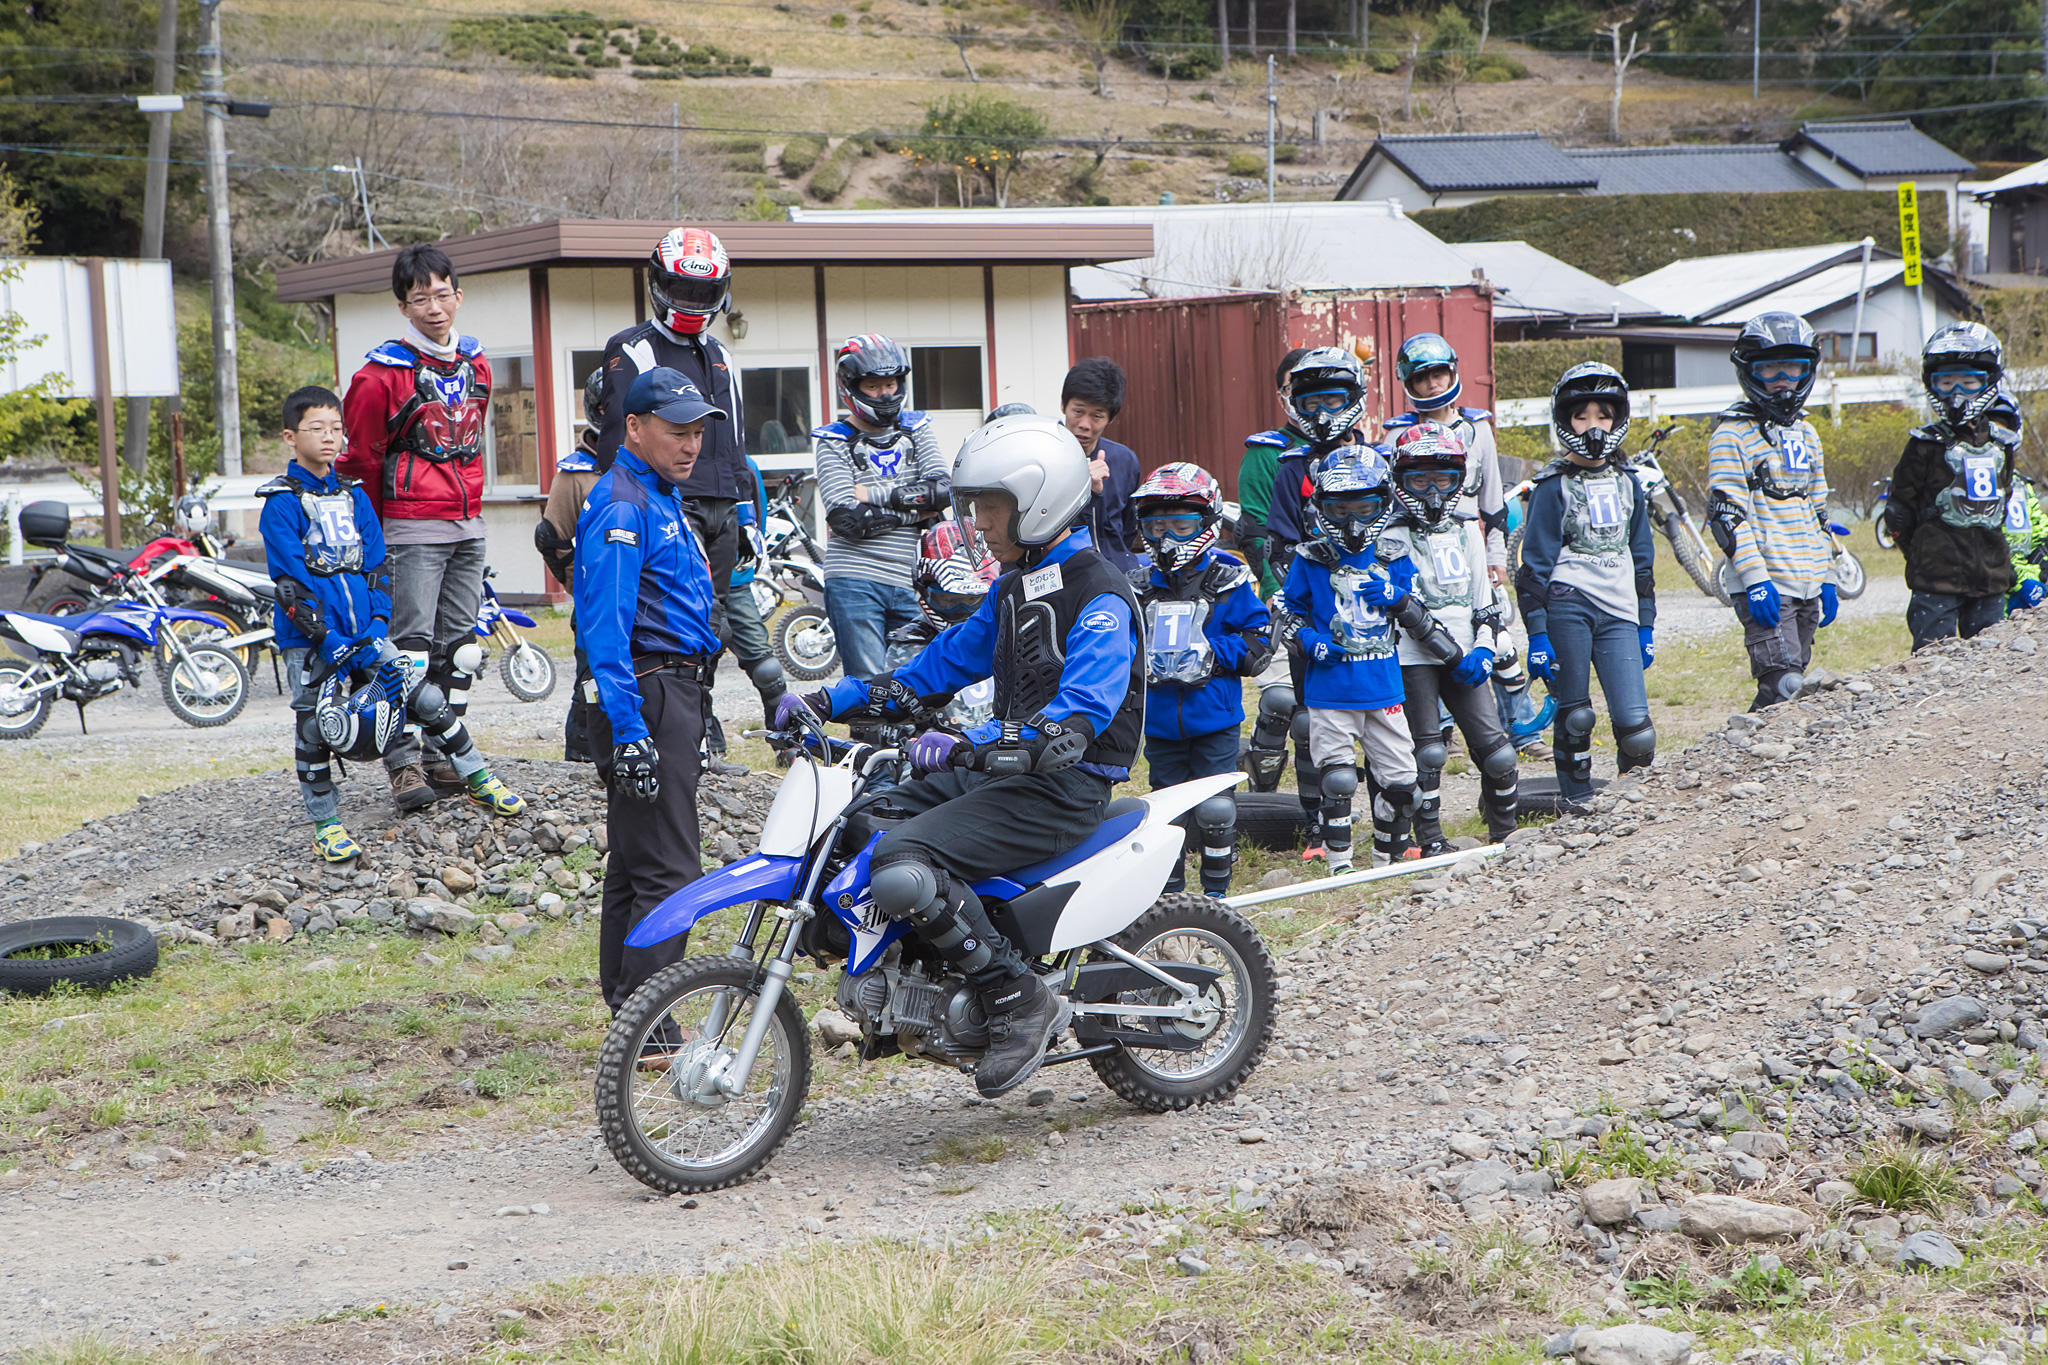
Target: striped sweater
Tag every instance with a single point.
(850, 461)
(1778, 538)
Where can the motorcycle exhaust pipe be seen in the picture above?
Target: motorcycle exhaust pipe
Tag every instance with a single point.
(1375, 874)
(252, 637)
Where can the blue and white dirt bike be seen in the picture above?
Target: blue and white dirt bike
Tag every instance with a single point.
(528, 670)
(87, 656)
(705, 1070)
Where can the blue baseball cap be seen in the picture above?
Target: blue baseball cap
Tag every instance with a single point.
(668, 394)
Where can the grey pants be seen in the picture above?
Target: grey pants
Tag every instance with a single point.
(1776, 651)
(435, 593)
(1935, 616)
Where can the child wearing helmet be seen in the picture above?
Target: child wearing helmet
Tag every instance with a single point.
(2026, 528)
(882, 479)
(1206, 630)
(1767, 503)
(953, 575)
(1952, 489)
(1427, 367)
(1342, 600)
(1448, 549)
(1262, 452)
(1587, 584)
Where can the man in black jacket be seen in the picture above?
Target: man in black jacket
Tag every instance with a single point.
(689, 283)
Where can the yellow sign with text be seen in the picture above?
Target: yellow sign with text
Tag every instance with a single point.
(1909, 231)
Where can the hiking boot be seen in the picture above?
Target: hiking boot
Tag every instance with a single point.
(333, 843)
(1536, 749)
(441, 775)
(409, 788)
(493, 795)
(1434, 848)
(1024, 1016)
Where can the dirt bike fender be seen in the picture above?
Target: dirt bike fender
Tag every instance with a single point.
(517, 618)
(1116, 884)
(758, 877)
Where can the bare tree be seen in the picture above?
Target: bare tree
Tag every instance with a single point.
(1100, 25)
(1485, 23)
(1292, 6)
(1223, 33)
(962, 34)
(1621, 65)
(1408, 81)
(1264, 251)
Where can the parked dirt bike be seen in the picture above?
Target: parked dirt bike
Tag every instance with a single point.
(1884, 497)
(1173, 996)
(528, 670)
(792, 574)
(86, 656)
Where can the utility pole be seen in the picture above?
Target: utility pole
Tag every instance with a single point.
(675, 161)
(1756, 47)
(135, 445)
(227, 388)
(1272, 121)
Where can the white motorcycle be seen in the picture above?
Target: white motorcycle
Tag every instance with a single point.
(1172, 996)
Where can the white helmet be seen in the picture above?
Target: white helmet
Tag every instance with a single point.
(1033, 459)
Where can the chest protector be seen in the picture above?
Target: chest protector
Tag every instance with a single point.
(1976, 495)
(443, 421)
(1035, 610)
(1361, 629)
(1445, 575)
(1176, 617)
(2019, 520)
(1597, 508)
(334, 544)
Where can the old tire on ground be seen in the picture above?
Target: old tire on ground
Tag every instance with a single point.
(96, 951)
(1271, 819)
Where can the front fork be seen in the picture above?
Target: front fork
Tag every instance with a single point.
(731, 1081)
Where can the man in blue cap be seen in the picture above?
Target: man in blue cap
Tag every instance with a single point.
(643, 608)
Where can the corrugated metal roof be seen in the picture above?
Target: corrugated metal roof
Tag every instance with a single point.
(1702, 169)
(1534, 284)
(1705, 286)
(1204, 249)
(1816, 291)
(2026, 177)
(1888, 147)
(1064, 240)
(1483, 161)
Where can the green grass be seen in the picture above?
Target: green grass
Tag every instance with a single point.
(1901, 1177)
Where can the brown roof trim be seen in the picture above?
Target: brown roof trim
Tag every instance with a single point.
(616, 241)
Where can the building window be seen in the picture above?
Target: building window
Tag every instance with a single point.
(511, 443)
(777, 404)
(1835, 346)
(946, 377)
(581, 366)
(1647, 365)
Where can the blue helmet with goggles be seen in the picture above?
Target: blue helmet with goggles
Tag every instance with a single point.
(1962, 366)
(1178, 510)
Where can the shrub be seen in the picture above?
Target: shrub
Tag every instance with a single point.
(1527, 369)
(801, 153)
(1286, 154)
(1245, 163)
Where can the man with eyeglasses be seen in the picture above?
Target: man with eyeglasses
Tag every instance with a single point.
(415, 418)
(1948, 504)
(1767, 503)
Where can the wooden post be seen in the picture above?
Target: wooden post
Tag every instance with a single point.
(103, 400)
(545, 453)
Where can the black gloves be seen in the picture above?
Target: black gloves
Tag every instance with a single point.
(633, 769)
(922, 495)
(863, 522)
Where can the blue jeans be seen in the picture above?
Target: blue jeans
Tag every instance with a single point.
(862, 613)
(1589, 640)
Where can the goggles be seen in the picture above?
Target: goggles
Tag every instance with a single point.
(1968, 383)
(1324, 400)
(953, 606)
(1780, 371)
(1442, 480)
(1170, 525)
(1365, 509)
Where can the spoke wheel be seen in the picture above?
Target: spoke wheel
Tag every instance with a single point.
(804, 643)
(208, 687)
(669, 1124)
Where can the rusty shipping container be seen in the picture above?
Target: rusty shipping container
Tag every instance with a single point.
(1201, 370)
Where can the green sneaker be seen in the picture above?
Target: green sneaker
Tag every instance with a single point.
(335, 844)
(494, 796)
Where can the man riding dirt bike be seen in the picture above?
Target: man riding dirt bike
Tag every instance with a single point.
(1059, 635)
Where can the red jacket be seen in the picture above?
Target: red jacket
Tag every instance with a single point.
(416, 431)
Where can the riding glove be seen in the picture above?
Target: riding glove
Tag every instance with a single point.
(1649, 645)
(1830, 603)
(791, 708)
(1474, 668)
(933, 751)
(1542, 662)
(633, 769)
(1763, 603)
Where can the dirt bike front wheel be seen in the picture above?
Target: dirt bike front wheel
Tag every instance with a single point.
(1686, 550)
(657, 1101)
(1185, 928)
(1850, 576)
(1884, 532)
(528, 671)
(804, 643)
(207, 687)
(23, 706)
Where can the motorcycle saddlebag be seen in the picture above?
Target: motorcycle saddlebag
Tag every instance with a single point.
(47, 524)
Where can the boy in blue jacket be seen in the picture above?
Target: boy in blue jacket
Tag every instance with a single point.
(1206, 629)
(1343, 600)
(325, 551)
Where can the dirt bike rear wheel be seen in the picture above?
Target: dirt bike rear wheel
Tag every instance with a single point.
(658, 1129)
(1884, 532)
(804, 643)
(1191, 928)
(208, 687)
(1850, 577)
(22, 710)
(195, 633)
(1699, 570)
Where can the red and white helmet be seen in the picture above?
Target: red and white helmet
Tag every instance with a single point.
(1185, 488)
(953, 573)
(689, 280)
(1429, 464)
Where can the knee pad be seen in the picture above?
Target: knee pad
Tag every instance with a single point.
(419, 646)
(1498, 765)
(1578, 720)
(1790, 685)
(766, 675)
(1393, 803)
(1297, 726)
(467, 658)
(1433, 754)
(1217, 813)
(1640, 742)
(1276, 708)
(1340, 782)
(311, 748)
(905, 887)
(429, 708)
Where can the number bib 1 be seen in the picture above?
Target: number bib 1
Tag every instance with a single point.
(1177, 647)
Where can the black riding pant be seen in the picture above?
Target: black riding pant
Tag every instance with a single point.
(972, 826)
(654, 844)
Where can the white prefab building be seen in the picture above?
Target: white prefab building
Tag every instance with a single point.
(982, 308)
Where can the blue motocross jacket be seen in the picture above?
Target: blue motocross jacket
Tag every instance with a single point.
(324, 534)
(1234, 623)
